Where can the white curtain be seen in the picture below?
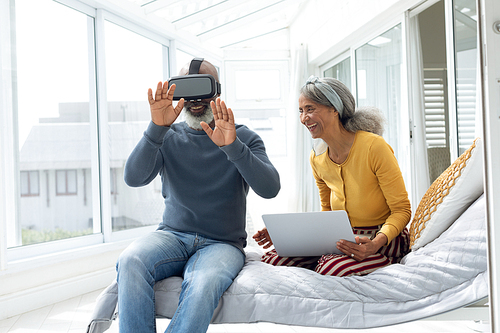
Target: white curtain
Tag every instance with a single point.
(304, 194)
(420, 162)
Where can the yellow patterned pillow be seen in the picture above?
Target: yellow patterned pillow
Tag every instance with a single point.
(448, 197)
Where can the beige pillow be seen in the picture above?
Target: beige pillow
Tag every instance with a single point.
(448, 197)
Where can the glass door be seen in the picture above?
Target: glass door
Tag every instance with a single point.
(443, 47)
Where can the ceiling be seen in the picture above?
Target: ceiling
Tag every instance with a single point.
(225, 23)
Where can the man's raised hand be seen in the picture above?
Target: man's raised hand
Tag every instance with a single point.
(163, 112)
(224, 132)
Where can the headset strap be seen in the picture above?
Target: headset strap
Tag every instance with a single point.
(194, 67)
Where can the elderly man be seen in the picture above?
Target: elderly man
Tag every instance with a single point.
(207, 164)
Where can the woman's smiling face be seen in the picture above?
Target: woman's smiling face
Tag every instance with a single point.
(318, 118)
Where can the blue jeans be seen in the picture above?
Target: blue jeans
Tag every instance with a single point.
(207, 266)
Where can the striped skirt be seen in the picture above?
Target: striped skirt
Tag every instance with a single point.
(343, 265)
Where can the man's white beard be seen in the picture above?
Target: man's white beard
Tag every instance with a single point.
(194, 121)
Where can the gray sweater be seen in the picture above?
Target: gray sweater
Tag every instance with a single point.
(204, 186)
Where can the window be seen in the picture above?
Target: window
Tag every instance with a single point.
(182, 58)
(64, 139)
(30, 184)
(378, 81)
(340, 71)
(134, 63)
(66, 182)
(54, 122)
(257, 93)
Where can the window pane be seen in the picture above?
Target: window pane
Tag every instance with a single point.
(378, 76)
(60, 182)
(34, 183)
(71, 181)
(52, 78)
(256, 92)
(341, 72)
(25, 183)
(133, 64)
(182, 59)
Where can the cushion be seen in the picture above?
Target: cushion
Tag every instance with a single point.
(448, 196)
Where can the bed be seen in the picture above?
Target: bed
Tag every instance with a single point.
(446, 270)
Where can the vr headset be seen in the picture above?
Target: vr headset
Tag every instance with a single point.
(195, 86)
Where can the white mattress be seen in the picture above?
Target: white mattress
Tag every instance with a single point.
(444, 275)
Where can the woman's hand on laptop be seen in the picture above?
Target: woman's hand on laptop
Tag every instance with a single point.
(262, 238)
(363, 248)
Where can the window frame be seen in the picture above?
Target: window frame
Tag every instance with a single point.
(348, 54)
(11, 255)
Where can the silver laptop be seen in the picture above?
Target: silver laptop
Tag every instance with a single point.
(308, 234)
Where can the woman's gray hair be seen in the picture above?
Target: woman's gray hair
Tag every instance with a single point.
(366, 118)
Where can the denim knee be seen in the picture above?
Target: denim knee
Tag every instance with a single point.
(130, 262)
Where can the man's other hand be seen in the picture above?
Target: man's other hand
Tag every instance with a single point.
(224, 132)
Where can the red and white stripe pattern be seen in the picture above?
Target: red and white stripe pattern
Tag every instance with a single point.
(343, 265)
(273, 258)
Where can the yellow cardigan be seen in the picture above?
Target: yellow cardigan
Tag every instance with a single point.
(369, 185)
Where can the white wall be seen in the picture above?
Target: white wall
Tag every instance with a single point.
(32, 284)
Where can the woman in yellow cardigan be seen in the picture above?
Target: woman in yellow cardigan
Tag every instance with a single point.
(356, 171)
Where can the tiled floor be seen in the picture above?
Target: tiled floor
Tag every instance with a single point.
(72, 316)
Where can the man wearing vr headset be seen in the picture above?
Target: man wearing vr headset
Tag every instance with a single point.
(207, 164)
